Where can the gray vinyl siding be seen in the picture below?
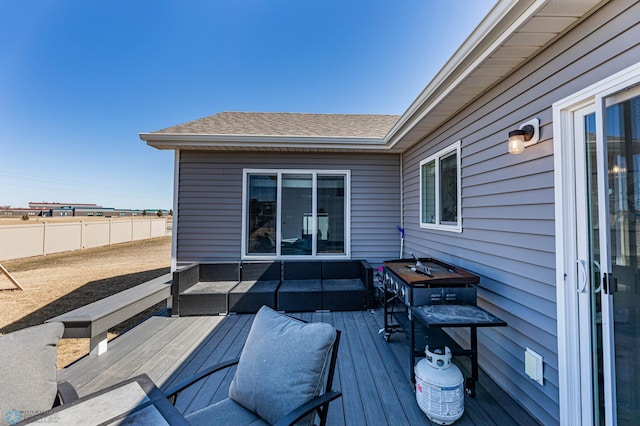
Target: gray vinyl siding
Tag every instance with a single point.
(508, 235)
(210, 200)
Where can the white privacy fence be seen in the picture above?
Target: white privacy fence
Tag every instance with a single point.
(27, 240)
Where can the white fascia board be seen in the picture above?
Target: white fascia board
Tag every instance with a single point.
(479, 37)
(171, 140)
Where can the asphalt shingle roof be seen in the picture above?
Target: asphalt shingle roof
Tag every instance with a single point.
(288, 124)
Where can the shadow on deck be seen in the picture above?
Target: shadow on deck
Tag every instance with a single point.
(372, 374)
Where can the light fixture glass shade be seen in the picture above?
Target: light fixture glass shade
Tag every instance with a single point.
(516, 142)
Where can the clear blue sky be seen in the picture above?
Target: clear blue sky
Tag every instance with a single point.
(79, 79)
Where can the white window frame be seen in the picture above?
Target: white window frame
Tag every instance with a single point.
(452, 227)
(279, 173)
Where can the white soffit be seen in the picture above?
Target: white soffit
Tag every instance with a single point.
(510, 34)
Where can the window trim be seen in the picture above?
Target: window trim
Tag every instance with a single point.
(437, 157)
(279, 173)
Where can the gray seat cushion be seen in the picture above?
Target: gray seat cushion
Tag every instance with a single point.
(28, 367)
(223, 413)
(282, 365)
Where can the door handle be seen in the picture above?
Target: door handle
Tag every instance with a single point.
(609, 283)
(582, 275)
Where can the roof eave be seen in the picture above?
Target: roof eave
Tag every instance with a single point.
(489, 23)
(226, 142)
(486, 42)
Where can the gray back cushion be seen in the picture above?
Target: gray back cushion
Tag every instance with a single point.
(28, 366)
(282, 365)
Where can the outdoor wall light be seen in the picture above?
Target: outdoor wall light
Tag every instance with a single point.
(528, 134)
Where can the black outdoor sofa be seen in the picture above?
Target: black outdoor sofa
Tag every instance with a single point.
(288, 286)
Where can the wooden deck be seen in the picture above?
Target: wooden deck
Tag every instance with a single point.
(372, 374)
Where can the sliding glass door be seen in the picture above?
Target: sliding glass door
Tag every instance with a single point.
(296, 213)
(608, 201)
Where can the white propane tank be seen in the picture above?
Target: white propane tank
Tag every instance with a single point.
(439, 387)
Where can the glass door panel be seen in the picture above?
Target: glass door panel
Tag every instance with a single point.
(622, 133)
(608, 207)
(591, 303)
(261, 221)
(331, 214)
(297, 223)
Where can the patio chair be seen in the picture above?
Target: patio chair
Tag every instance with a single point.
(28, 367)
(279, 377)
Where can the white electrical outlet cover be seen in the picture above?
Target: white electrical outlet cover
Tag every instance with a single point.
(533, 366)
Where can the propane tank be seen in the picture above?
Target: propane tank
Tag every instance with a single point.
(439, 387)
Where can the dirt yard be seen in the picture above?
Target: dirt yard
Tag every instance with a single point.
(57, 283)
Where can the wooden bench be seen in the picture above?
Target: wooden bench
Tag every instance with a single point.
(95, 319)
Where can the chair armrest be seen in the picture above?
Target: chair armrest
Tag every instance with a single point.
(66, 394)
(308, 407)
(173, 391)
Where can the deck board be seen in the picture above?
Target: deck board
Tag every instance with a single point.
(351, 403)
(228, 343)
(389, 408)
(372, 374)
(404, 393)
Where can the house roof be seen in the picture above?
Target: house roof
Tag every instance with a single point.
(512, 32)
(288, 125)
(276, 131)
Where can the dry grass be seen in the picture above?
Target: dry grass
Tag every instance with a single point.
(57, 283)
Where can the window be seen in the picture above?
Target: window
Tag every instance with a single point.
(295, 213)
(440, 190)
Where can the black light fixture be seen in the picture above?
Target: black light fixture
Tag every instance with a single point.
(526, 135)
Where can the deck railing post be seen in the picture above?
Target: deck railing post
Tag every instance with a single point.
(98, 344)
(44, 238)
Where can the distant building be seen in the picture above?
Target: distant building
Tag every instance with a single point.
(47, 209)
(6, 211)
(47, 205)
